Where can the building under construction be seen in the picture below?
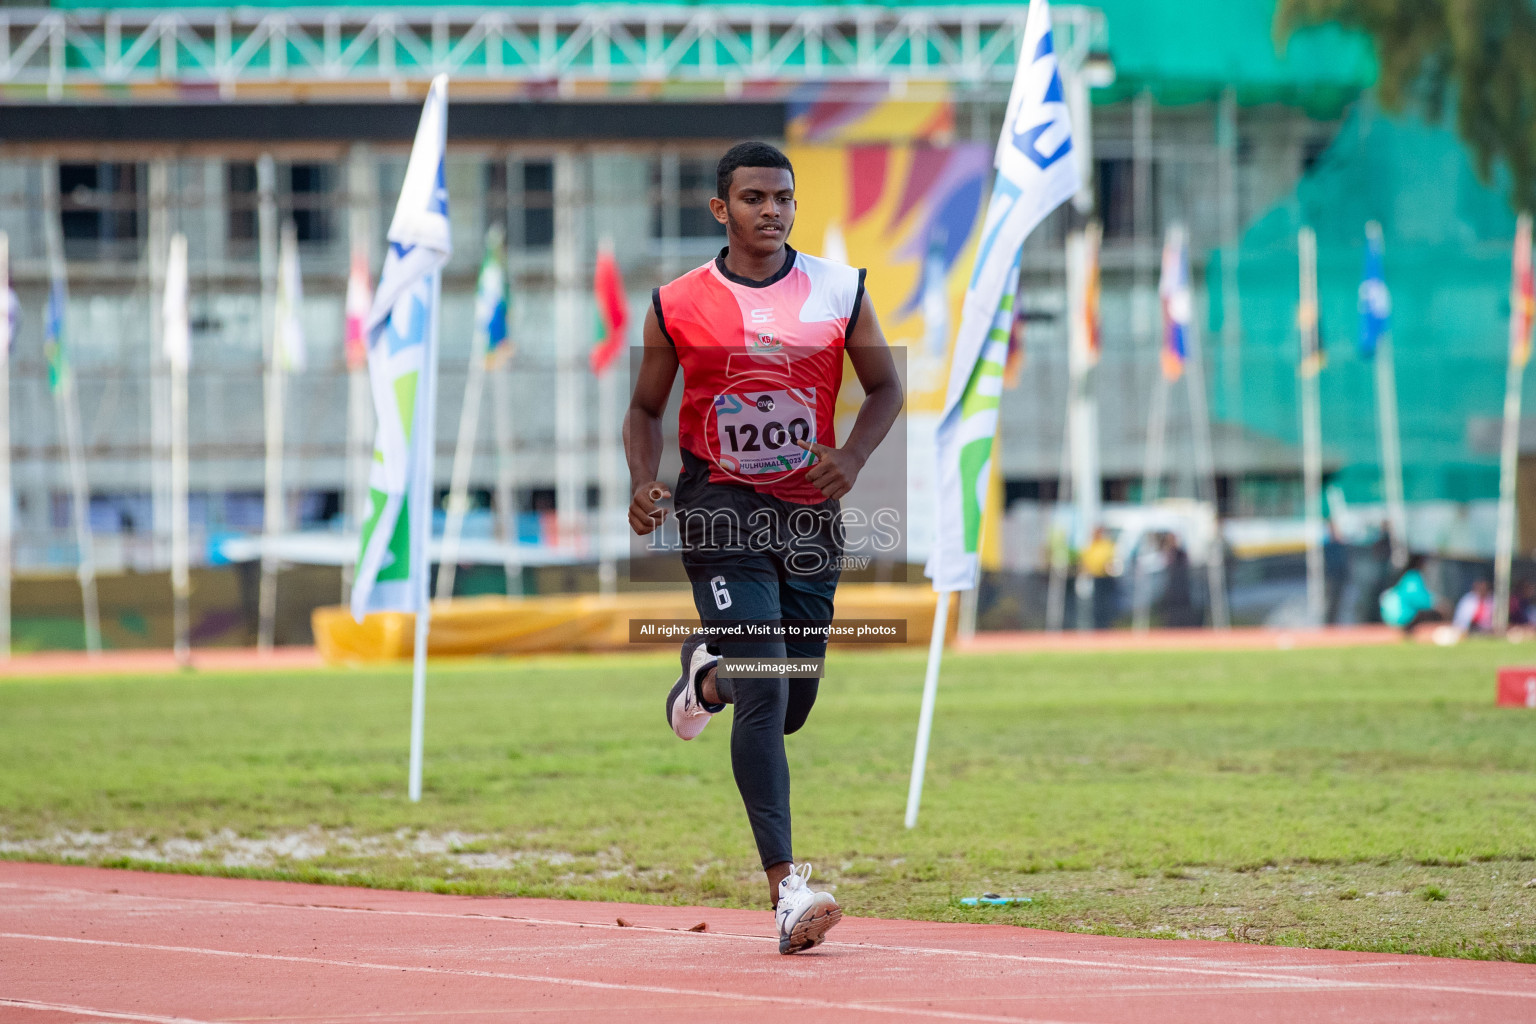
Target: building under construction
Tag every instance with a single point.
(572, 125)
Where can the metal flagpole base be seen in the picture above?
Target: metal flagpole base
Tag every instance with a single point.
(925, 717)
(419, 701)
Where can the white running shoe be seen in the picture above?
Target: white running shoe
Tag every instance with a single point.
(804, 916)
(686, 711)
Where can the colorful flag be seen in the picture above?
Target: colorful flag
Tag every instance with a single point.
(53, 332)
(175, 320)
(288, 340)
(1375, 299)
(612, 306)
(1013, 366)
(491, 301)
(1093, 324)
(1036, 172)
(1522, 295)
(402, 359)
(359, 301)
(1178, 306)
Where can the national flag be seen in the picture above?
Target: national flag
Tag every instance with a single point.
(53, 331)
(1178, 305)
(1522, 295)
(1037, 171)
(359, 301)
(612, 307)
(175, 319)
(1375, 299)
(288, 331)
(491, 301)
(402, 339)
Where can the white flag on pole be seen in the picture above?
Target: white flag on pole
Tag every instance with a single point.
(1036, 172)
(289, 343)
(176, 322)
(401, 332)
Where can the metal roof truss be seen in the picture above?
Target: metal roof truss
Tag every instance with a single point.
(57, 52)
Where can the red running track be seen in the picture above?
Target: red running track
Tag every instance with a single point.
(93, 945)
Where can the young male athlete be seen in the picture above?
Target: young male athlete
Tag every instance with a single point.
(760, 333)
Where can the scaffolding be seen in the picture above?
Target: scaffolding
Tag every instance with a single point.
(67, 54)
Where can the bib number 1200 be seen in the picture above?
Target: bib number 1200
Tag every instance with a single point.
(757, 431)
(774, 435)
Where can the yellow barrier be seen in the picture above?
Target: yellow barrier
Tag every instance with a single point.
(566, 623)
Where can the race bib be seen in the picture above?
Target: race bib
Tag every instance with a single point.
(756, 431)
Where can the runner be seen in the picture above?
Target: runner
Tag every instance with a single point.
(760, 333)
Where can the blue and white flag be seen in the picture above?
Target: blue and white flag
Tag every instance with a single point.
(53, 331)
(490, 336)
(1037, 171)
(1375, 299)
(401, 329)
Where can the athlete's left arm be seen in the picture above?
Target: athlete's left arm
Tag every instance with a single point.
(836, 469)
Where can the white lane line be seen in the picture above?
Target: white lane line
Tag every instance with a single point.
(542, 979)
(1265, 973)
(91, 1011)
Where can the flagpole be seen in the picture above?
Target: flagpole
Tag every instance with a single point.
(1082, 420)
(180, 547)
(421, 528)
(925, 715)
(1376, 345)
(506, 476)
(608, 405)
(1311, 426)
(7, 497)
(272, 499)
(1061, 554)
(1151, 485)
(463, 461)
(1391, 449)
(1509, 450)
(67, 403)
(1205, 473)
(359, 451)
(159, 373)
(570, 478)
(361, 202)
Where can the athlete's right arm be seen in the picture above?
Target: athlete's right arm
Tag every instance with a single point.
(642, 427)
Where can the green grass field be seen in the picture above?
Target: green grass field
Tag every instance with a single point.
(1365, 799)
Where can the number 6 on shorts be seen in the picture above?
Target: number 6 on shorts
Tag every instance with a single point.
(722, 596)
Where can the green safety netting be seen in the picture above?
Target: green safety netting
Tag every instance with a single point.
(1192, 50)
(1448, 238)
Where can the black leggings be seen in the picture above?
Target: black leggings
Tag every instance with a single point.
(790, 577)
(764, 711)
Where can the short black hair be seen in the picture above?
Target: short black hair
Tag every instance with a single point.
(748, 154)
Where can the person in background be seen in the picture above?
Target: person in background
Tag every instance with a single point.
(1381, 560)
(1178, 603)
(1097, 562)
(1474, 612)
(1409, 602)
(1522, 604)
(1335, 573)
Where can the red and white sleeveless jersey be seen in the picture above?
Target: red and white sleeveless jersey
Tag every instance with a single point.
(762, 364)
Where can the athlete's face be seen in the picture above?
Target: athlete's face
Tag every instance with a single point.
(760, 211)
